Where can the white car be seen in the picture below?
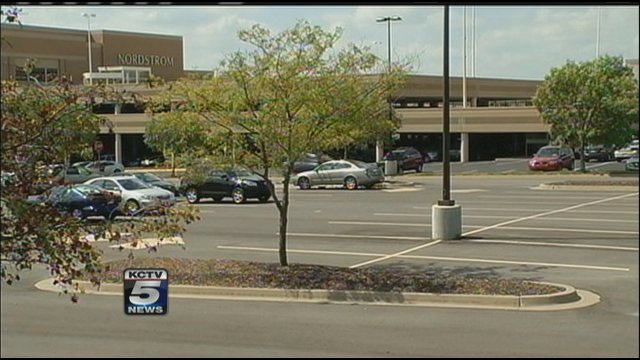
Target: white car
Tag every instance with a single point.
(135, 194)
(627, 151)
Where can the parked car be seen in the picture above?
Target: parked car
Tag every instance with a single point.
(81, 201)
(70, 175)
(152, 161)
(627, 151)
(552, 158)
(632, 163)
(135, 194)
(105, 167)
(309, 162)
(350, 173)
(154, 180)
(599, 153)
(238, 183)
(408, 158)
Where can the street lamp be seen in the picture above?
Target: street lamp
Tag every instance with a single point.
(388, 20)
(89, 16)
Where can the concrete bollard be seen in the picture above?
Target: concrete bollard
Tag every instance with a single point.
(446, 222)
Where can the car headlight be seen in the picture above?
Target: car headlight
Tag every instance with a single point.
(147, 197)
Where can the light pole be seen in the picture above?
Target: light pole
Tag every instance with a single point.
(388, 20)
(89, 16)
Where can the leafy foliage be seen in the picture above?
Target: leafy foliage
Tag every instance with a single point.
(294, 93)
(40, 127)
(591, 102)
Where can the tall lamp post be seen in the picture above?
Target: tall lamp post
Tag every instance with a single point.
(388, 20)
(89, 16)
(446, 216)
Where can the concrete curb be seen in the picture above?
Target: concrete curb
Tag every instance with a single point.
(569, 298)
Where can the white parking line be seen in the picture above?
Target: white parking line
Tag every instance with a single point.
(427, 215)
(570, 230)
(417, 238)
(508, 223)
(550, 213)
(395, 255)
(401, 255)
(536, 243)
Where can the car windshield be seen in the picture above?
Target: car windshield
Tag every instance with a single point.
(548, 152)
(133, 184)
(88, 189)
(148, 177)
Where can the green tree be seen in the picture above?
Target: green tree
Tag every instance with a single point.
(182, 134)
(590, 102)
(293, 93)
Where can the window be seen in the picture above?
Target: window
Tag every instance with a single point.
(110, 185)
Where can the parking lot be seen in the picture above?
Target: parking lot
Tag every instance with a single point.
(588, 239)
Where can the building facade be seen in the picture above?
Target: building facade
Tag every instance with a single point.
(498, 120)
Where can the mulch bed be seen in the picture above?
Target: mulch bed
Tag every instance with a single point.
(233, 273)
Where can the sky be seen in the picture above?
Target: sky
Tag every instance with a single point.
(517, 42)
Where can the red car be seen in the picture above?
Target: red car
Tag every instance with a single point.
(552, 158)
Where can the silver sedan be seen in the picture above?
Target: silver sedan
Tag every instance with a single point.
(350, 173)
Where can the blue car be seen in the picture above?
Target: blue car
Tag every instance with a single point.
(82, 201)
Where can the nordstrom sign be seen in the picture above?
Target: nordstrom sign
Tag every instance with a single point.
(148, 60)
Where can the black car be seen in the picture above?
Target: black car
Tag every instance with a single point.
(599, 153)
(81, 201)
(154, 180)
(239, 184)
(309, 162)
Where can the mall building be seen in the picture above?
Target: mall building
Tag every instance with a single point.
(497, 121)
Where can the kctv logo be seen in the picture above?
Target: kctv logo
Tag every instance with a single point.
(146, 291)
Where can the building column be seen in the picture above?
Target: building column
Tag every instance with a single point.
(118, 148)
(464, 147)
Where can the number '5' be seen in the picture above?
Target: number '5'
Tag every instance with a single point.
(147, 287)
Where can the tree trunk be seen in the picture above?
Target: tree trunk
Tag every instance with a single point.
(173, 165)
(583, 167)
(283, 208)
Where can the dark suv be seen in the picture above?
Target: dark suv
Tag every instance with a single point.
(408, 158)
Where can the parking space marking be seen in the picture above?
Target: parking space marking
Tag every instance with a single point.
(389, 224)
(571, 230)
(540, 197)
(416, 238)
(532, 210)
(483, 228)
(402, 190)
(402, 255)
(550, 213)
(536, 243)
(577, 206)
(565, 203)
(396, 254)
(426, 215)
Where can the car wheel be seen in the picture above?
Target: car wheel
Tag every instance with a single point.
(131, 207)
(420, 168)
(192, 195)
(570, 167)
(77, 213)
(264, 198)
(351, 183)
(304, 183)
(238, 195)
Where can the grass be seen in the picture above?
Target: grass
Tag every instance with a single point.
(233, 273)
